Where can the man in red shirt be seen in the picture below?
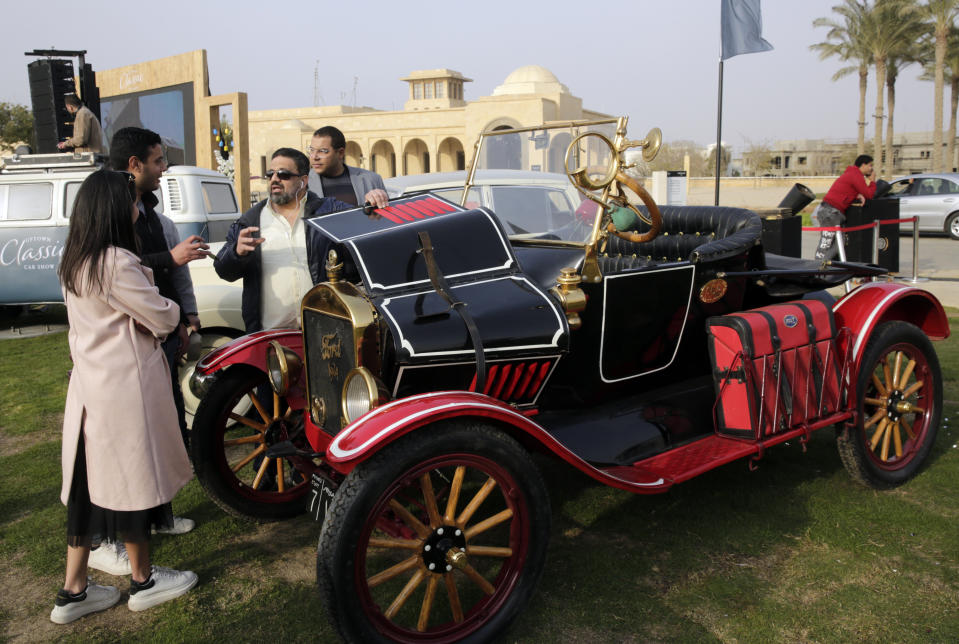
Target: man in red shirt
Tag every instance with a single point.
(853, 187)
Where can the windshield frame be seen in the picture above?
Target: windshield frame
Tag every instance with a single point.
(549, 125)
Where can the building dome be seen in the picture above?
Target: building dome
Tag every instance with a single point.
(531, 79)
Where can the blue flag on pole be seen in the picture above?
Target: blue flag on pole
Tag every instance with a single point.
(742, 27)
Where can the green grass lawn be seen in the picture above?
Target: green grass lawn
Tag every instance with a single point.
(793, 552)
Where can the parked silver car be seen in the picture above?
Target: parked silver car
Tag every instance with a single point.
(523, 200)
(932, 198)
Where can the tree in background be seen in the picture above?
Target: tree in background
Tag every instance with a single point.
(844, 40)
(888, 26)
(710, 158)
(907, 51)
(950, 75)
(672, 156)
(941, 15)
(16, 125)
(757, 159)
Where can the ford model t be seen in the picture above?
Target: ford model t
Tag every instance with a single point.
(642, 345)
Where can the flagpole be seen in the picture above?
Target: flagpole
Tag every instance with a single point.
(719, 130)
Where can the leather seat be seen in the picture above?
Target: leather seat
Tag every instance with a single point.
(690, 233)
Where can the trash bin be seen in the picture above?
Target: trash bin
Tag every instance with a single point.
(782, 231)
(859, 244)
(798, 197)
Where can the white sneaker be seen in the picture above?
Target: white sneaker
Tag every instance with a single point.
(181, 525)
(111, 557)
(68, 608)
(163, 585)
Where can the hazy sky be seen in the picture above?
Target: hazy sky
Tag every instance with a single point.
(653, 60)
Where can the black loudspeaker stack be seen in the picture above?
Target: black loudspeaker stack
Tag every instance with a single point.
(50, 80)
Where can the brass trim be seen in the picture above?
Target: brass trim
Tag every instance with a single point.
(289, 364)
(713, 291)
(570, 296)
(345, 301)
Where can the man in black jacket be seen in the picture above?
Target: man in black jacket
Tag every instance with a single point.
(272, 249)
(140, 152)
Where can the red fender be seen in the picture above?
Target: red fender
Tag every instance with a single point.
(249, 349)
(875, 302)
(381, 426)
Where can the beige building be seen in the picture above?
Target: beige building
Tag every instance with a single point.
(911, 153)
(434, 132)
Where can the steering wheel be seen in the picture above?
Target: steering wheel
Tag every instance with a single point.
(590, 179)
(655, 219)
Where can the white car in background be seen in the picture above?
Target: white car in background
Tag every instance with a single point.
(932, 198)
(523, 200)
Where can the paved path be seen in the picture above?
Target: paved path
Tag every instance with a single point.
(938, 264)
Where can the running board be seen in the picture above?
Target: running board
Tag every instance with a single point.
(661, 472)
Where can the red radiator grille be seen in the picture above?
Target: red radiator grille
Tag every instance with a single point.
(515, 381)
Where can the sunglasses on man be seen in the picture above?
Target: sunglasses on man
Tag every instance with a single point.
(282, 175)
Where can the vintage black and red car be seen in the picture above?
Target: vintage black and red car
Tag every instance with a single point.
(642, 345)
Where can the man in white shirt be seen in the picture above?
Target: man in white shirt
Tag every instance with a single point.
(269, 246)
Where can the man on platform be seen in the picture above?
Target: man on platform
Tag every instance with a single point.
(87, 135)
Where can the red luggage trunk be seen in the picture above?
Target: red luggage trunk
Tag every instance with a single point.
(774, 368)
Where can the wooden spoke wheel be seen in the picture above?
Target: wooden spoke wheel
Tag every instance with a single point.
(440, 537)
(228, 447)
(900, 404)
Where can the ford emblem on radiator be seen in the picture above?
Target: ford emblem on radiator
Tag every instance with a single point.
(790, 321)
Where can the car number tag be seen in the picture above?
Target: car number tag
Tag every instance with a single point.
(323, 490)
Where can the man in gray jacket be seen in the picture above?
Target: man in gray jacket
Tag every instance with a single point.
(331, 177)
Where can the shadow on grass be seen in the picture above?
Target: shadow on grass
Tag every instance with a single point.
(620, 564)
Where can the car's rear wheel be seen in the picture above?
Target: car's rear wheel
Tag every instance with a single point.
(952, 225)
(899, 391)
(227, 447)
(441, 537)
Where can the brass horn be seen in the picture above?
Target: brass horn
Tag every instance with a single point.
(651, 144)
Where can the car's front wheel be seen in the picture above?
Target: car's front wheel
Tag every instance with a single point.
(440, 537)
(952, 225)
(899, 391)
(235, 423)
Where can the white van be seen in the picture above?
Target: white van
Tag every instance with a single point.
(36, 198)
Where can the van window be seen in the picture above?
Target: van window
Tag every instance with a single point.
(70, 196)
(23, 201)
(218, 198)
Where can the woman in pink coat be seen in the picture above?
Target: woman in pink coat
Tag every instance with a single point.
(123, 459)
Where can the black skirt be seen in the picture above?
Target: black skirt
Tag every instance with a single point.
(89, 524)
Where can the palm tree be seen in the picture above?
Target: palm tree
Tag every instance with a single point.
(941, 14)
(844, 41)
(888, 23)
(950, 74)
(907, 51)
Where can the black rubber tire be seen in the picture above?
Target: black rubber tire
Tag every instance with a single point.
(210, 461)
(857, 449)
(950, 228)
(358, 507)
